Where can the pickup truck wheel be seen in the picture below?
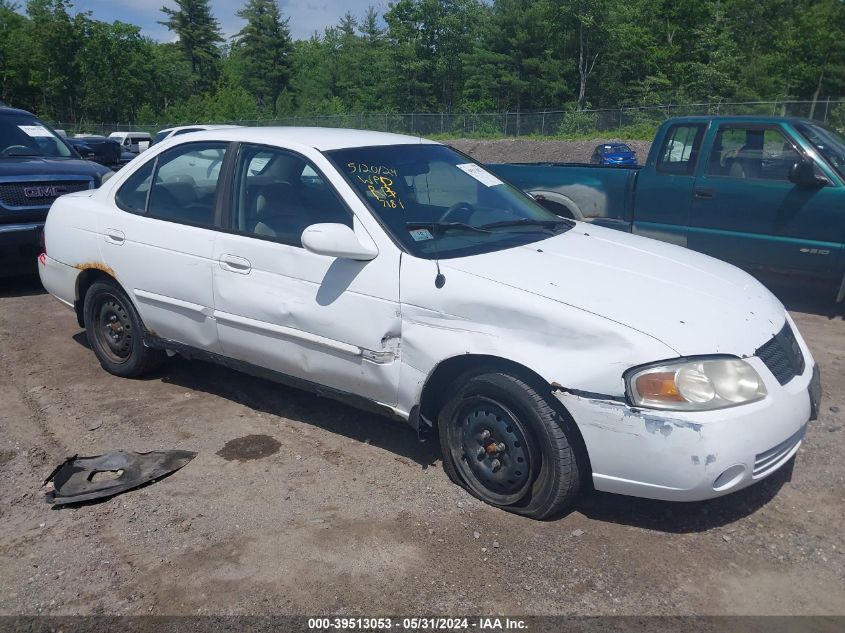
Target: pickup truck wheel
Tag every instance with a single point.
(504, 443)
(115, 332)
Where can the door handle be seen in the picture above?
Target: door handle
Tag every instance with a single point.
(235, 264)
(703, 194)
(113, 236)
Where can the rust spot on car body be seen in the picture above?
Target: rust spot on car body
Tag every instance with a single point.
(96, 266)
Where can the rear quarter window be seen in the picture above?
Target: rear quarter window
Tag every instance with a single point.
(132, 196)
(680, 149)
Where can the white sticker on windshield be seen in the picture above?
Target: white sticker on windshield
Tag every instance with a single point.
(421, 235)
(36, 131)
(481, 175)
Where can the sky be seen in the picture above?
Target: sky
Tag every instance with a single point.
(306, 16)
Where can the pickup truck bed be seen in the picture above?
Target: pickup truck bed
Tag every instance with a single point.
(601, 194)
(763, 193)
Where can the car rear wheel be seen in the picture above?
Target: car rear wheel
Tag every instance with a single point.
(503, 441)
(115, 332)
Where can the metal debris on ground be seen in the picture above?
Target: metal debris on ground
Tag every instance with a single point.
(77, 479)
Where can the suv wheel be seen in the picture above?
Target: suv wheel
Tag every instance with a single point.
(504, 443)
(116, 333)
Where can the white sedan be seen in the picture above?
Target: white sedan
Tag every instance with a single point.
(396, 273)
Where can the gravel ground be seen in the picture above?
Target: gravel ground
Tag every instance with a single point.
(300, 505)
(297, 504)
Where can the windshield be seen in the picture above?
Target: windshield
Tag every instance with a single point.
(827, 142)
(439, 204)
(27, 136)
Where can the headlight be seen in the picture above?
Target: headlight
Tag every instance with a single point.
(695, 385)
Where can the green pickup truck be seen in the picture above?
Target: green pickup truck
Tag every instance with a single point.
(764, 193)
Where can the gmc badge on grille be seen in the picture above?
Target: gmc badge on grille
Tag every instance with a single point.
(44, 191)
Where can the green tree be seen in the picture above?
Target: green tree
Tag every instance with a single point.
(428, 40)
(513, 66)
(263, 48)
(14, 73)
(199, 37)
(54, 40)
(170, 72)
(118, 52)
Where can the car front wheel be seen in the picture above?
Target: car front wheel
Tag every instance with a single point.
(503, 441)
(115, 332)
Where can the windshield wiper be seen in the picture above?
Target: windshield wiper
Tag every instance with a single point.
(442, 227)
(546, 224)
(20, 155)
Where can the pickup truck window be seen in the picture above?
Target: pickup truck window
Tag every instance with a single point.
(278, 194)
(827, 142)
(752, 152)
(680, 149)
(438, 203)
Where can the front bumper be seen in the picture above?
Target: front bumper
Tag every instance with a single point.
(19, 246)
(25, 234)
(695, 456)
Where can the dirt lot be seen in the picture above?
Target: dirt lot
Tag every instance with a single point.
(323, 509)
(346, 512)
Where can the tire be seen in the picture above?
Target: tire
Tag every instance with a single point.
(505, 444)
(116, 333)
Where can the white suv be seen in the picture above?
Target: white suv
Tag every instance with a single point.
(398, 273)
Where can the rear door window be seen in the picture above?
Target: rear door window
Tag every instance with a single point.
(183, 189)
(681, 146)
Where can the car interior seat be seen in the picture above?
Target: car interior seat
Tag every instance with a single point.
(279, 213)
(747, 164)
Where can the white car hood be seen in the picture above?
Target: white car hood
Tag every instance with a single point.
(691, 302)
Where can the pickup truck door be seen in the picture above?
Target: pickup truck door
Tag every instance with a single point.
(665, 185)
(330, 321)
(747, 211)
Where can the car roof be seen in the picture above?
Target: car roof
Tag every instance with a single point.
(14, 111)
(761, 119)
(198, 126)
(320, 138)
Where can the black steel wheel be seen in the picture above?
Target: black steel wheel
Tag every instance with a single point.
(504, 443)
(496, 455)
(113, 328)
(115, 332)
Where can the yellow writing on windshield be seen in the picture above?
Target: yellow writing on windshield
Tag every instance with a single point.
(379, 170)
(381, 188)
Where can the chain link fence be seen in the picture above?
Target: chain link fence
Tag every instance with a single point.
(633, 122)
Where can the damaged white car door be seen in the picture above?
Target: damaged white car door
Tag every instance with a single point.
(316, 316)
(161, 238)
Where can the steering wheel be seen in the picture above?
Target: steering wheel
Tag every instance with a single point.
(9, 150)
(458, 206)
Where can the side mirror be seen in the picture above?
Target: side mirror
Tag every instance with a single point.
(336, 240)
(803, 174)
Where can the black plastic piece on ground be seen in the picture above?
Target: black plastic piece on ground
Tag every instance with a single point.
(73, 480)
